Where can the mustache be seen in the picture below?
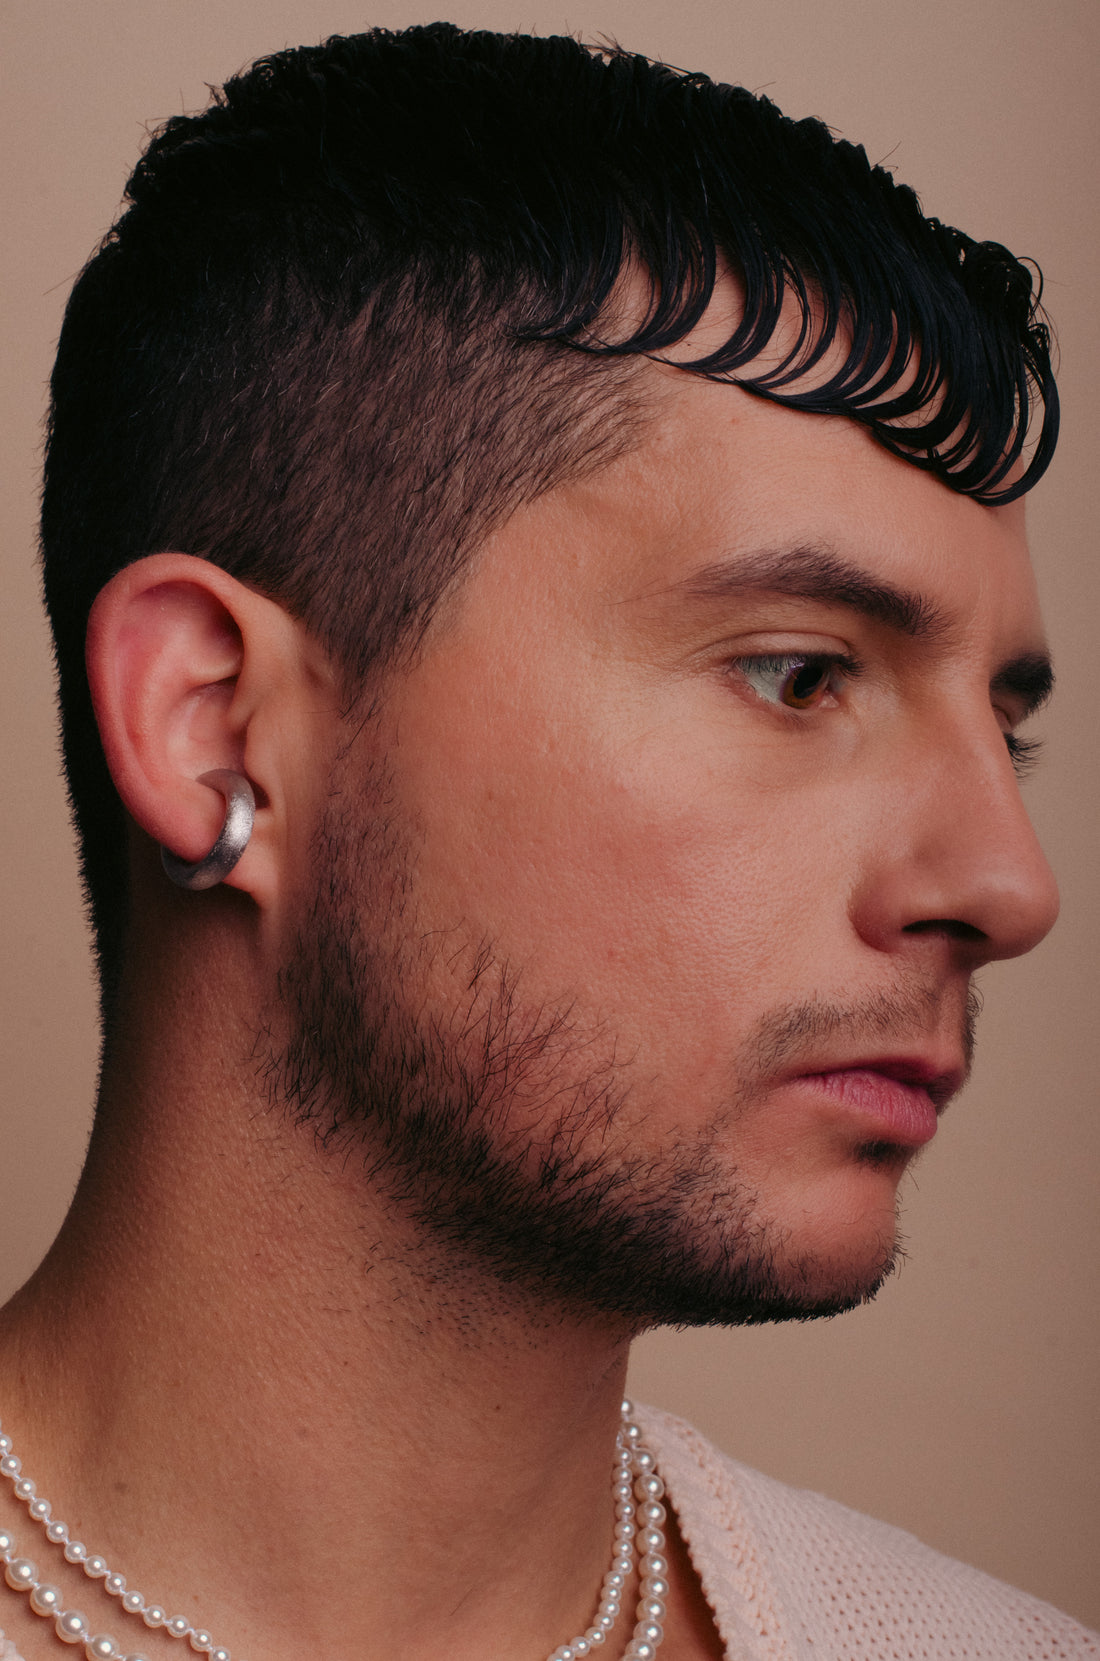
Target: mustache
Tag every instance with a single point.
(903, 1015)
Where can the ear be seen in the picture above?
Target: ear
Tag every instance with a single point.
(189, 671)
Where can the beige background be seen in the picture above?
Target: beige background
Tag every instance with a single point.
(962, 1405)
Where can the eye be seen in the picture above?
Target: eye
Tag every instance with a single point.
(798, 681)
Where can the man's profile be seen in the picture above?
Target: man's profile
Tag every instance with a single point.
(573, 516)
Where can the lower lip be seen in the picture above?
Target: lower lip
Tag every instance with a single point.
(892, 1111)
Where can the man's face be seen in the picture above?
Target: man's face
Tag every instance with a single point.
(649, 959)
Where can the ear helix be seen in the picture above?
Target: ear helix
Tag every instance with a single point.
(232, 839)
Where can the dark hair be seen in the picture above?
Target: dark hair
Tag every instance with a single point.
(351, 319)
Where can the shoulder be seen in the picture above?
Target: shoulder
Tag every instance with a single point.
(792, 1574)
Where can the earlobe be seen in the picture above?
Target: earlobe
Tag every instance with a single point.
(171, 640)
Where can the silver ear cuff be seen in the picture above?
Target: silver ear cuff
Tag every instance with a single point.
(240, 813)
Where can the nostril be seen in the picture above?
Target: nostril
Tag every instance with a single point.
(952, 927)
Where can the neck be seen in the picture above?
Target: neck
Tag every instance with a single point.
(236, 1334)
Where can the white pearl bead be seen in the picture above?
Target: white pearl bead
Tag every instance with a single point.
(136, 1657)
(625, 1530)
(10, 1466)
(115, 1584)
(40, 1510)
(21, 1574)
(651, 1631)
(654, 1609)
(644, 1462)
(153, 1615)
(57, 1532)
(133, 1603)
(649, 1486)
(604, 1622)
(653, 1562)
(219, 1655)
(650, 1540)
(5, 1444)
(75, 1551)
(7, 1542)
(72, 1627)
(652, 1513)
(643, 1651)
(101, 1648)
(46, 1600)
(24, 1489)
(579, 1646)
(178, 1627)
(95, 1567)
(201, 1642)
(596, 1637)
(655, 1586)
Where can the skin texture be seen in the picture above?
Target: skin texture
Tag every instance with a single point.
(706, 932)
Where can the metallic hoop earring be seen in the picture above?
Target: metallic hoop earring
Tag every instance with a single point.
(240, 813)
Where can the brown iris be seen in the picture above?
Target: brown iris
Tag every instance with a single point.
(805, 683)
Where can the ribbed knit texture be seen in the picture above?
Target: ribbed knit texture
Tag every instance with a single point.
(792, 1576)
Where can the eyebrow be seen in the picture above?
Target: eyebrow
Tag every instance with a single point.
(816, 572)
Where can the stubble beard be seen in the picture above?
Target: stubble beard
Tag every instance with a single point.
(498, 1127)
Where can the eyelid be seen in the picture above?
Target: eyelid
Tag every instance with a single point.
(790, 641)
(848, 666)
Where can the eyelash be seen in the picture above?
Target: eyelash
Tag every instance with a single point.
(1023, 752)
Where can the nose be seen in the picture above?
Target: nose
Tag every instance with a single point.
(957, 858)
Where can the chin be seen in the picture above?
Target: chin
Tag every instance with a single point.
(835, 1257)
(785, 1287)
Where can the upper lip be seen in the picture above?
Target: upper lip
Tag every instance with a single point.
(940, 1077)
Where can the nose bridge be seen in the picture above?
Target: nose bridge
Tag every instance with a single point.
(963, 854)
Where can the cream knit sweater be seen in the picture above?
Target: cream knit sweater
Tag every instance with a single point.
(792, 1576)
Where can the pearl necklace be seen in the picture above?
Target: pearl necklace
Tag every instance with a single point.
(636, 1489)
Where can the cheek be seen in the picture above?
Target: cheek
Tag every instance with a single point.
(632, 865)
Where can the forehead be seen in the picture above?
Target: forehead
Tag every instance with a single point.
(722, 478)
